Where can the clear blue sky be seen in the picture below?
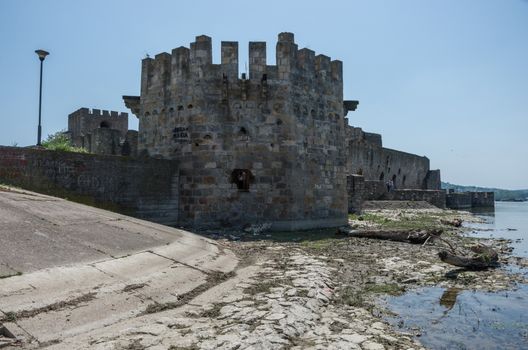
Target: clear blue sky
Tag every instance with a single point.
(447, 79)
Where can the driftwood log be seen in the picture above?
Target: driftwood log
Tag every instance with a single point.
(415, 237)
(483, 258)
(455, 222)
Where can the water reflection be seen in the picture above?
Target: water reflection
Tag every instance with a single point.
(448, 298)
(461, 319)
(487, 212)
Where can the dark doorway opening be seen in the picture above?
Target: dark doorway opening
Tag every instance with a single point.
(242, 178)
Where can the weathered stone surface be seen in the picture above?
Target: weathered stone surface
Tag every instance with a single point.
(101, 132)
(257, 149)
(146, 188)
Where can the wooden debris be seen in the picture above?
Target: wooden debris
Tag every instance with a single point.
(455, 222)
(483, 258)
(415, 237)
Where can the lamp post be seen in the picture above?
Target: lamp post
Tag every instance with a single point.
(42, 55)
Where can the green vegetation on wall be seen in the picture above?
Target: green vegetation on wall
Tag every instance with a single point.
(59, 141)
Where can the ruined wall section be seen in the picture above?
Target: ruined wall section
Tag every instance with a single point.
(283, 124)
(408, 171)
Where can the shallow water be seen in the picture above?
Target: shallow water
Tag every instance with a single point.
(455, 319)
(464, 319)
(510, 220)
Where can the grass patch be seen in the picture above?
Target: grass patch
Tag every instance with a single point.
(213, 312)
(262, 287)
(303, 293)
(131, 287)
(318, 244)
(213, 279)
(349, 296)
(18, 273)
(10, 316)
(60, 305)
(177, 347)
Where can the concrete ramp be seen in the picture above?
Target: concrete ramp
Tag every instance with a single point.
(69, 268)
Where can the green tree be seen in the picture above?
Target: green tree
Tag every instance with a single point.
(59, 141)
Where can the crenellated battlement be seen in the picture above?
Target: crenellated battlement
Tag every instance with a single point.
(94, 112)
(195, 63)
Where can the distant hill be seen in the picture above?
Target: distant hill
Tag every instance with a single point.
(500, 194)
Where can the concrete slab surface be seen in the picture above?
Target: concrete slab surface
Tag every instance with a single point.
(69, 269)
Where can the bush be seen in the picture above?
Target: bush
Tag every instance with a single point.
(59, 141)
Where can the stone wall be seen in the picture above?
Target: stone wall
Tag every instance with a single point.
(468, 200)
(268, 147)
(432, 180)
(408, 171)
(434, 197)
(459, 200)
(374, 190)
(356, 193)
(146, 188)
(105, 141)
(360, 190)
(482, 199)
(129, 147)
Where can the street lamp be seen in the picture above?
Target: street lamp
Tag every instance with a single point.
(42, 55)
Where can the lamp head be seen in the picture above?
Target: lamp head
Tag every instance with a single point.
(41, 54)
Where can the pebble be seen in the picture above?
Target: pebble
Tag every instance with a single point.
(370, 345)
(275, 316)
(353, 338)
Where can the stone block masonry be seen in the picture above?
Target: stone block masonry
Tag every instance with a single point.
(99, 131)
(366, 156)
(459, 200)
(360, 190)
(263, 148)
(407, 171)
(434, 197)
(356, 193)
(482, 199)
(144, 188)
(468, 200)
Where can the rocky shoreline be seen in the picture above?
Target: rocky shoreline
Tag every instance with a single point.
(359, 271)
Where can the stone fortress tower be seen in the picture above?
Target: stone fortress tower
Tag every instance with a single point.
(102, 132)
(268, 147)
